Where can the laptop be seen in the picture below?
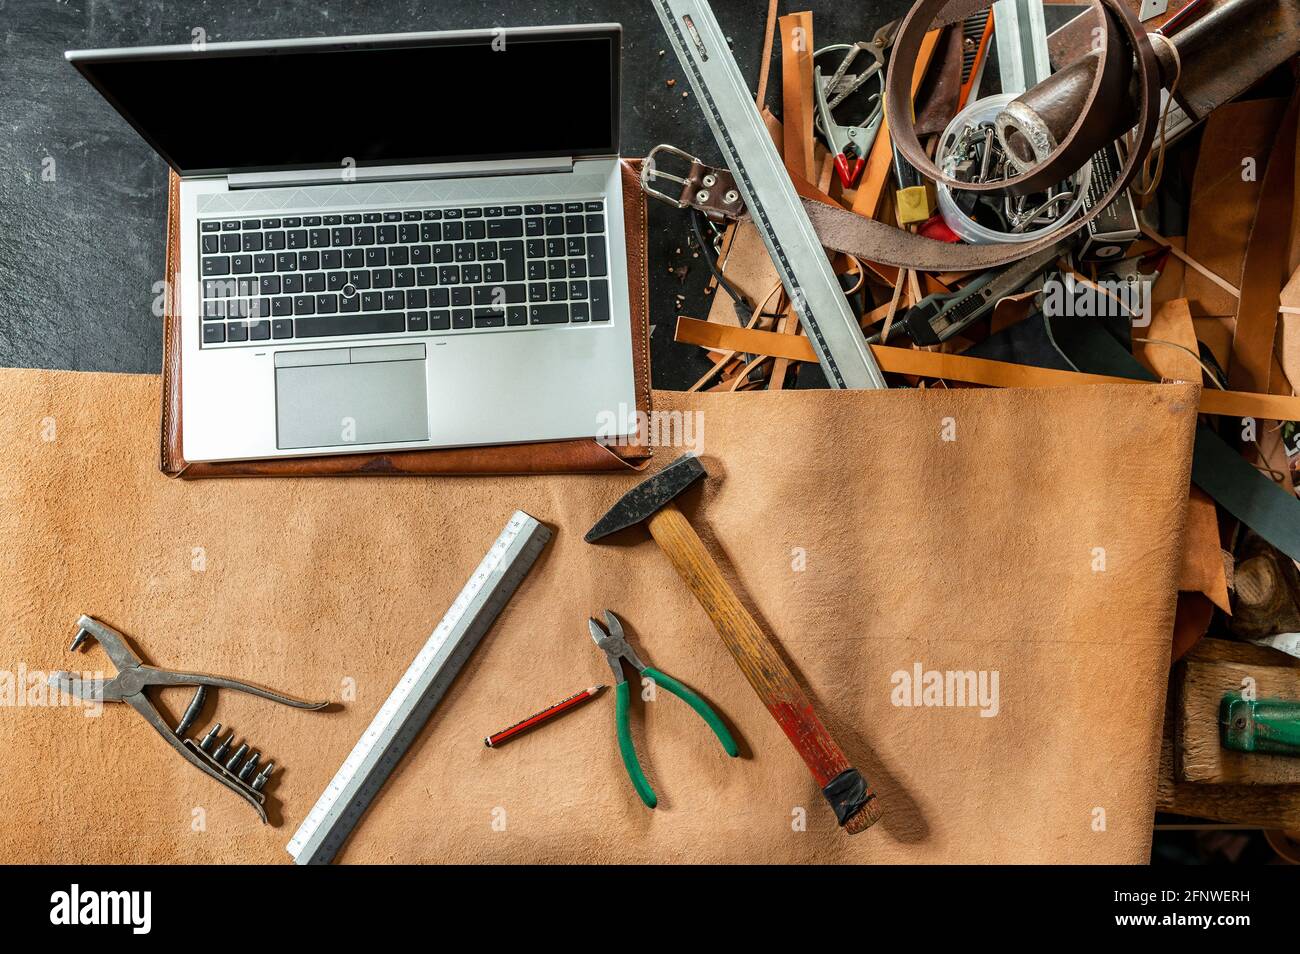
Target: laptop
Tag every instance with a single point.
(392, 242)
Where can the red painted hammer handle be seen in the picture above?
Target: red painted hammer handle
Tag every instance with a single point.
(855, 804)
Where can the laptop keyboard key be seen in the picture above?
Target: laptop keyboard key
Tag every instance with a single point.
(505, 228)
(282, 328)
(549, 314)
(512, 253)
(596, 259)
(214, 333)
(383, 323)
(259, 331)
(599, 297)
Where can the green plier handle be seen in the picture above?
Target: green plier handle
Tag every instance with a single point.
(623, 698)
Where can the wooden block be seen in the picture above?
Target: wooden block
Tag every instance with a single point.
(1200, 756)
(1268, 806)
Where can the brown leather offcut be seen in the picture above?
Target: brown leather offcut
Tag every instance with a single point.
(543, 457)
(1041, 543)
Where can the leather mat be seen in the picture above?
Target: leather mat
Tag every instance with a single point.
(866, 543)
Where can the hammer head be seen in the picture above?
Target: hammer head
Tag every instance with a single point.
(648, 496)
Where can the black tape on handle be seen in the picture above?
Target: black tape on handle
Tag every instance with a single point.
(847, 794)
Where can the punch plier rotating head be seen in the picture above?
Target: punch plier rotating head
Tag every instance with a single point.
(129, 686)
(614, 644)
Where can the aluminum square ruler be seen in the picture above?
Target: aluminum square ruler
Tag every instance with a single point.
(419, 691)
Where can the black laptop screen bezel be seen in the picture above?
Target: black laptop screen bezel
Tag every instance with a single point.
(86, 61)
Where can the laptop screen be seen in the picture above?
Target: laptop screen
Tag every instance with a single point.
(366, 101)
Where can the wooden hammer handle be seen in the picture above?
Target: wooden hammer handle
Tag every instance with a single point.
(854, 802)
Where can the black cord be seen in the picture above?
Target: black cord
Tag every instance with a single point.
(743, 308)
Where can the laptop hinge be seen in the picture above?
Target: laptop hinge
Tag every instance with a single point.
(350, 175)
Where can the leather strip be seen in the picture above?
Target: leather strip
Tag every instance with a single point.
(1264, 270)
(571, 456)
(957, 367)
(867, 239)
(797, 93)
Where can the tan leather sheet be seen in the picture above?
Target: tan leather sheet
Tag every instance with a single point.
(1042, 543)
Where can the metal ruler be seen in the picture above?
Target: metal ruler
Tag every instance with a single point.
(402, 716)
(1020, 34)
(765, 186)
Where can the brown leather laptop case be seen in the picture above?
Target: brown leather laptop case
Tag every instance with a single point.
(585, 455)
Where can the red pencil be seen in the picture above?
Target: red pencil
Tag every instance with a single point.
(493, 741)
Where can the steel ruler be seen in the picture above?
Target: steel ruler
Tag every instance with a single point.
(402, 716)
(769, 196)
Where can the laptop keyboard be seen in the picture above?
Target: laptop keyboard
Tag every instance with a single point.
(417, 271)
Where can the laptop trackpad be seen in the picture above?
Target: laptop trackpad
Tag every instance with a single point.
(338, 396)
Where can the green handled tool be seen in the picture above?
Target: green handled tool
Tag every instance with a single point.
(1259, 725)
(615, 646)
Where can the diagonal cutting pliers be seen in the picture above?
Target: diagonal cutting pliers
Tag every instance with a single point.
(614, 644)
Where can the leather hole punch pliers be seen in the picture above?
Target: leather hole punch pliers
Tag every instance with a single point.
(129, 686)
(615, 646)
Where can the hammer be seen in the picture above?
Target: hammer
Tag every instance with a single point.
(651, 501)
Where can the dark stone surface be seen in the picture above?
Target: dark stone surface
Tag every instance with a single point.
(81, 256)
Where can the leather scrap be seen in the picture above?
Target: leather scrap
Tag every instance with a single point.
(1265, 269)
(1223, 200)
(93, 501)
(797, 93)
(958, 367)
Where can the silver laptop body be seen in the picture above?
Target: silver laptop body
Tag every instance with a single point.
(357, 304)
